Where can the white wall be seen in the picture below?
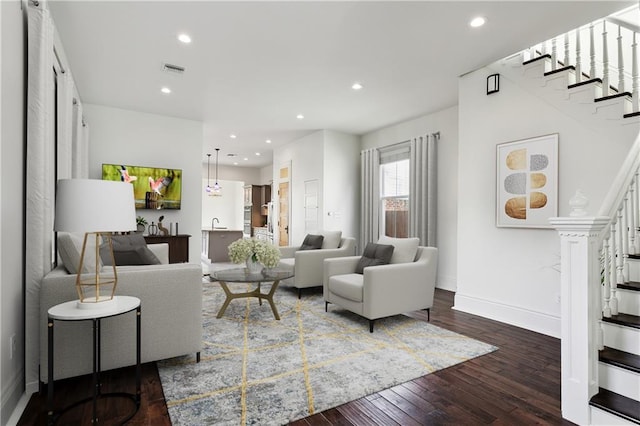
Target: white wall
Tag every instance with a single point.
(332, 158)
(341, 184)
(12, 146)
(228, 208)
(511, 274)
(306, 157)
(445, 122)
(141, 139)
(249, 175)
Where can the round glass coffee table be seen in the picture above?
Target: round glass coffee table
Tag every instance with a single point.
(242, 275)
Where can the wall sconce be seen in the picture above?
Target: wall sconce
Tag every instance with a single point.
(493, 84)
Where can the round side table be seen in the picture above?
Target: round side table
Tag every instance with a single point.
(70, 311)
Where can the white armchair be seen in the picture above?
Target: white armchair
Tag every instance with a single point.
(307, 264)
(383, 290)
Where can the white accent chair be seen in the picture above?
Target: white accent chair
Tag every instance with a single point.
(382, 290)
(307, 264)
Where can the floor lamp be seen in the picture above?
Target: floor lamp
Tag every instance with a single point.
(96, 208)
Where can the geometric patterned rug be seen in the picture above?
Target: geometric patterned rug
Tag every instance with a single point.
(255, 370)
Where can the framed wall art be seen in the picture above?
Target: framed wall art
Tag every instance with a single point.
(527, 182)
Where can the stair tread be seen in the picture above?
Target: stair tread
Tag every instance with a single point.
(617, 404)
(583, 83)
(559, 70)
(614, 96)
(547, 56)
(630, 285)
(619, 358)
(632, 114)
(624, 319)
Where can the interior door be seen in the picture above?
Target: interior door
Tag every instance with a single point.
(283, 213)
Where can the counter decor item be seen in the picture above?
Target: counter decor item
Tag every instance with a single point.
(153, 229)
(255, 253)
(141, 224)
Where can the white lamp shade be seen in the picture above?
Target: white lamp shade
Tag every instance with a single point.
(92, 205)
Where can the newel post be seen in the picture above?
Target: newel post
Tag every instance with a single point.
(580, 308)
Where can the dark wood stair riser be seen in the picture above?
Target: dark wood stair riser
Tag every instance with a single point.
(621, 359)
(617, 404)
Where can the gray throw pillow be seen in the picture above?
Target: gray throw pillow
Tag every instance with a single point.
(128, 250)
(312, 242)
(374, 254)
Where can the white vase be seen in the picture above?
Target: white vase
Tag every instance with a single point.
(253, 267)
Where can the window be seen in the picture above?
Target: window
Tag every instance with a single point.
(394, 191)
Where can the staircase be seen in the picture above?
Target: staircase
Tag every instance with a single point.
(584, 73)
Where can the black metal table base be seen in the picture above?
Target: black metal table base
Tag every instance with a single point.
(53, 416)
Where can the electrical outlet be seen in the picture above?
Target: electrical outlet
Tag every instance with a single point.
(12, 346)
(558, 298)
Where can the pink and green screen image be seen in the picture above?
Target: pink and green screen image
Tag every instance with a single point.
(153, 187)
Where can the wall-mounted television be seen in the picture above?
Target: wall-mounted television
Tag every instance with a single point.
(153, 187)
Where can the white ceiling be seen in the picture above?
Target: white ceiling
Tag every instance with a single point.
(253, 66)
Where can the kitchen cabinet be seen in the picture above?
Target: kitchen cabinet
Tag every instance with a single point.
(219, 241)
(253, 217)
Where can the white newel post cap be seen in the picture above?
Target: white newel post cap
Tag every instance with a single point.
(578, 204)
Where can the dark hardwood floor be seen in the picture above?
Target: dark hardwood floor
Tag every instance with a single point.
(519, 384)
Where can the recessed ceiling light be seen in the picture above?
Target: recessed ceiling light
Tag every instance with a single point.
(268, 141)
(232, 136)
(235, 164)
(258, 154)
(165, 90)
(299, 116)
(478, 21)
(246, 159)
(184, 38)
(357, 86)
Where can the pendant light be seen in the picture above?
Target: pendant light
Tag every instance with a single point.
(216, 186)
(208, 188)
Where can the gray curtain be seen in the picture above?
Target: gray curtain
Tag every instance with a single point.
(370, 197)
(423, 189)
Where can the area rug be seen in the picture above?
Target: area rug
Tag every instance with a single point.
(256, 370)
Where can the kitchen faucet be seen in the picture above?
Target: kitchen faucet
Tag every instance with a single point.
(215, 219)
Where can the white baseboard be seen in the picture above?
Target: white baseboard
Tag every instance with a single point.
(17, 412)
(524, 318)
(11, 394)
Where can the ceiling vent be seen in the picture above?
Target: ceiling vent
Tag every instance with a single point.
(173, 68)
(232, 155)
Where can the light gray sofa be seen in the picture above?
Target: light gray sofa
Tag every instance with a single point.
(171, 325)
(307, 264)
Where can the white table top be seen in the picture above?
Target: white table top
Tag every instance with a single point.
(71, 312)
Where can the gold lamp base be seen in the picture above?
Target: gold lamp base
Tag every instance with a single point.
(89, 288)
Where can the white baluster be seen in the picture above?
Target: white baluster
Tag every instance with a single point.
(543, 48)
(554, 54)
(605, 61)
(592, 53)
(578, 58)
(632, 216)
(616, 272)
(567, 59)
(635, 96)
(625, 240)
(620, 62)
(636, 212)
(606, 277)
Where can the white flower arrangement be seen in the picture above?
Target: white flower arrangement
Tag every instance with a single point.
(259, 251)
